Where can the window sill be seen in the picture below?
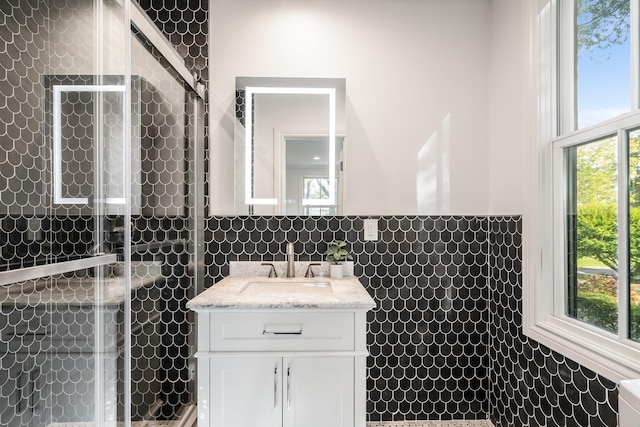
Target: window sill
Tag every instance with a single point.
(609, 357)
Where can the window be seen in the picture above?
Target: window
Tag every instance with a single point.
(317, 188)
(600, 220)
(590, 223)
(584, 296)
(599, 166)
(601, 54)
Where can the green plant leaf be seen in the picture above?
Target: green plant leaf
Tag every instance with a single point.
(336, 253)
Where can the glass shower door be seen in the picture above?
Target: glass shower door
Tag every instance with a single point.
(102, 218)
(63, 282)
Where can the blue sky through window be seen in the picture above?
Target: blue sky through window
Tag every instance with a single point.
(603, 81)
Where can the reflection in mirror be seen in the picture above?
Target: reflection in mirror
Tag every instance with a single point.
(289, 143)
(66, 122)
(307, 177)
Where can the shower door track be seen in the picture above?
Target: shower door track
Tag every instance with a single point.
(41, 271)
(143, 23)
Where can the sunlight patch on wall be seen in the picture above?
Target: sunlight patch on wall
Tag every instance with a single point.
(433, 171)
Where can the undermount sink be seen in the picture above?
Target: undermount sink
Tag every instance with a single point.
(288, 287)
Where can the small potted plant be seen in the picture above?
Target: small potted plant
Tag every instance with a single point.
(335, 255)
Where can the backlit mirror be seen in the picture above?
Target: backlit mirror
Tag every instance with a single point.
(289, 140)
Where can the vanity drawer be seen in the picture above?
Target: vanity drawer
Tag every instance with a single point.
(281, 331)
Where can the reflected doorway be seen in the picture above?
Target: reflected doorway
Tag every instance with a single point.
(305, 177)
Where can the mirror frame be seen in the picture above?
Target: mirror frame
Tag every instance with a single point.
(248, 107)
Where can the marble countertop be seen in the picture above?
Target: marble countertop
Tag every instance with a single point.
(347, 293)
(79, 291)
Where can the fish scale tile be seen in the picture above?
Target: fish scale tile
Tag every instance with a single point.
(32, 232)
(445, 340)
(438, 279)
(427, 343)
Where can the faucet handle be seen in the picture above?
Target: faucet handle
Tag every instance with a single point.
(272, 270)
(309, 272)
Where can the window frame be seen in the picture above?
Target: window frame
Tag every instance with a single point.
(308, 206)
(552, 117)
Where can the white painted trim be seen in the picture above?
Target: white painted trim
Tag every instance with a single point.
(539, 125)
(567, 66)
(592, 133)
(213, 354)
(559, 247)
(599, 352)
(623, 233)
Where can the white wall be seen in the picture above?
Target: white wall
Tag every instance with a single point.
(506, 108)
(418, 94)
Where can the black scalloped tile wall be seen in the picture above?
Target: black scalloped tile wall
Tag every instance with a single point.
(427, 337)
(31, 232)
(530, 385)
(23, 61)
(185, 23)
(446, 338)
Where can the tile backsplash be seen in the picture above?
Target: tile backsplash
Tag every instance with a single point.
(427, 337)
(446, 336)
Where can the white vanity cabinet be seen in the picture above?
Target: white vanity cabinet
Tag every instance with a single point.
(274, 391)
(282, 362)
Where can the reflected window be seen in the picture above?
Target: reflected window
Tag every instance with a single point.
(317, 188)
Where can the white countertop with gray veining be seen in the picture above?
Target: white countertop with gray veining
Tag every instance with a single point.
(230, 293)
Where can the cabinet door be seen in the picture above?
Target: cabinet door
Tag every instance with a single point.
(246, 391)
(318, 392)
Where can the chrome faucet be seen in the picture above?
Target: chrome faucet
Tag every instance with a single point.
(309, 273)
(272, 270)
(291, 271)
